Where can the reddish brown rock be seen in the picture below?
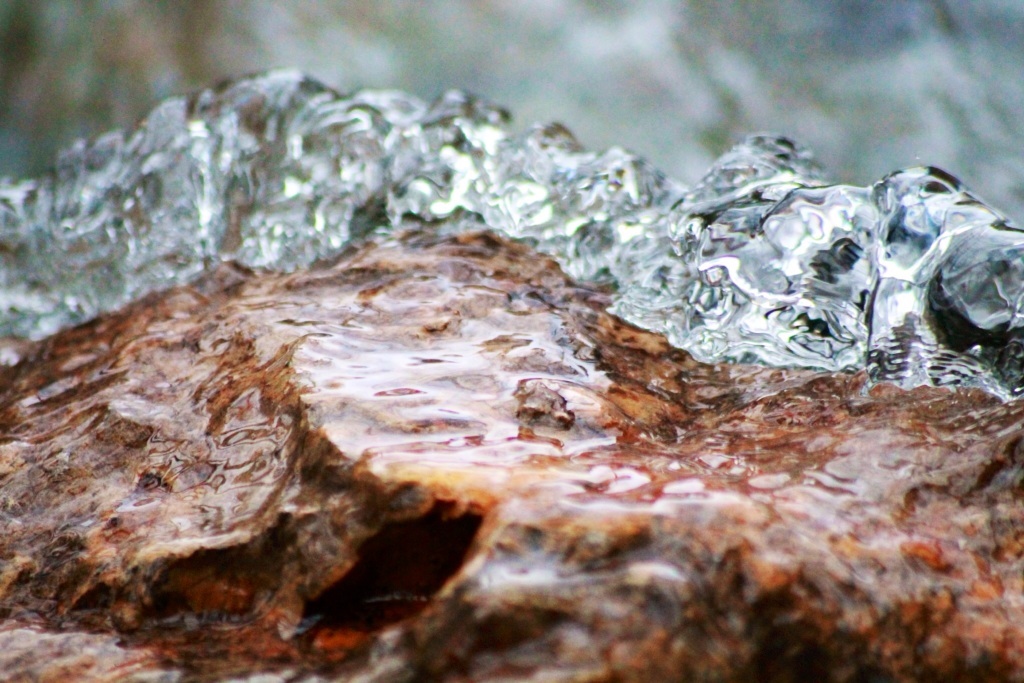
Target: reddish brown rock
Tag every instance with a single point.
(440, 460)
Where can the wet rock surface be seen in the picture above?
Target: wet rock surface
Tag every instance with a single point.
(439, 459)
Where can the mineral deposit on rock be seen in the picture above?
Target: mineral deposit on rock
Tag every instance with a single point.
(437, 458)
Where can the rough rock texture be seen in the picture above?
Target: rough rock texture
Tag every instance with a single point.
(438, 459)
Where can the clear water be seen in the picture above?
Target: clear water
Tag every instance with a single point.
(912, 278)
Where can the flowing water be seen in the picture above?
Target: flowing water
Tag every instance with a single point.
(763, 260)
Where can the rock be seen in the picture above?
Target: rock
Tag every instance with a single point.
(439, 459)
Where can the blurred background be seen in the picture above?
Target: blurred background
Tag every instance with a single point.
(869, 85)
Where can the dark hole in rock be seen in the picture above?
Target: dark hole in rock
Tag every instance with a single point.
(213, 585)
(398, 572)
(99, 596)
(222, 585)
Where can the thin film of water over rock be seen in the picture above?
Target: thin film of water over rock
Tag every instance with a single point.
(912, 278)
